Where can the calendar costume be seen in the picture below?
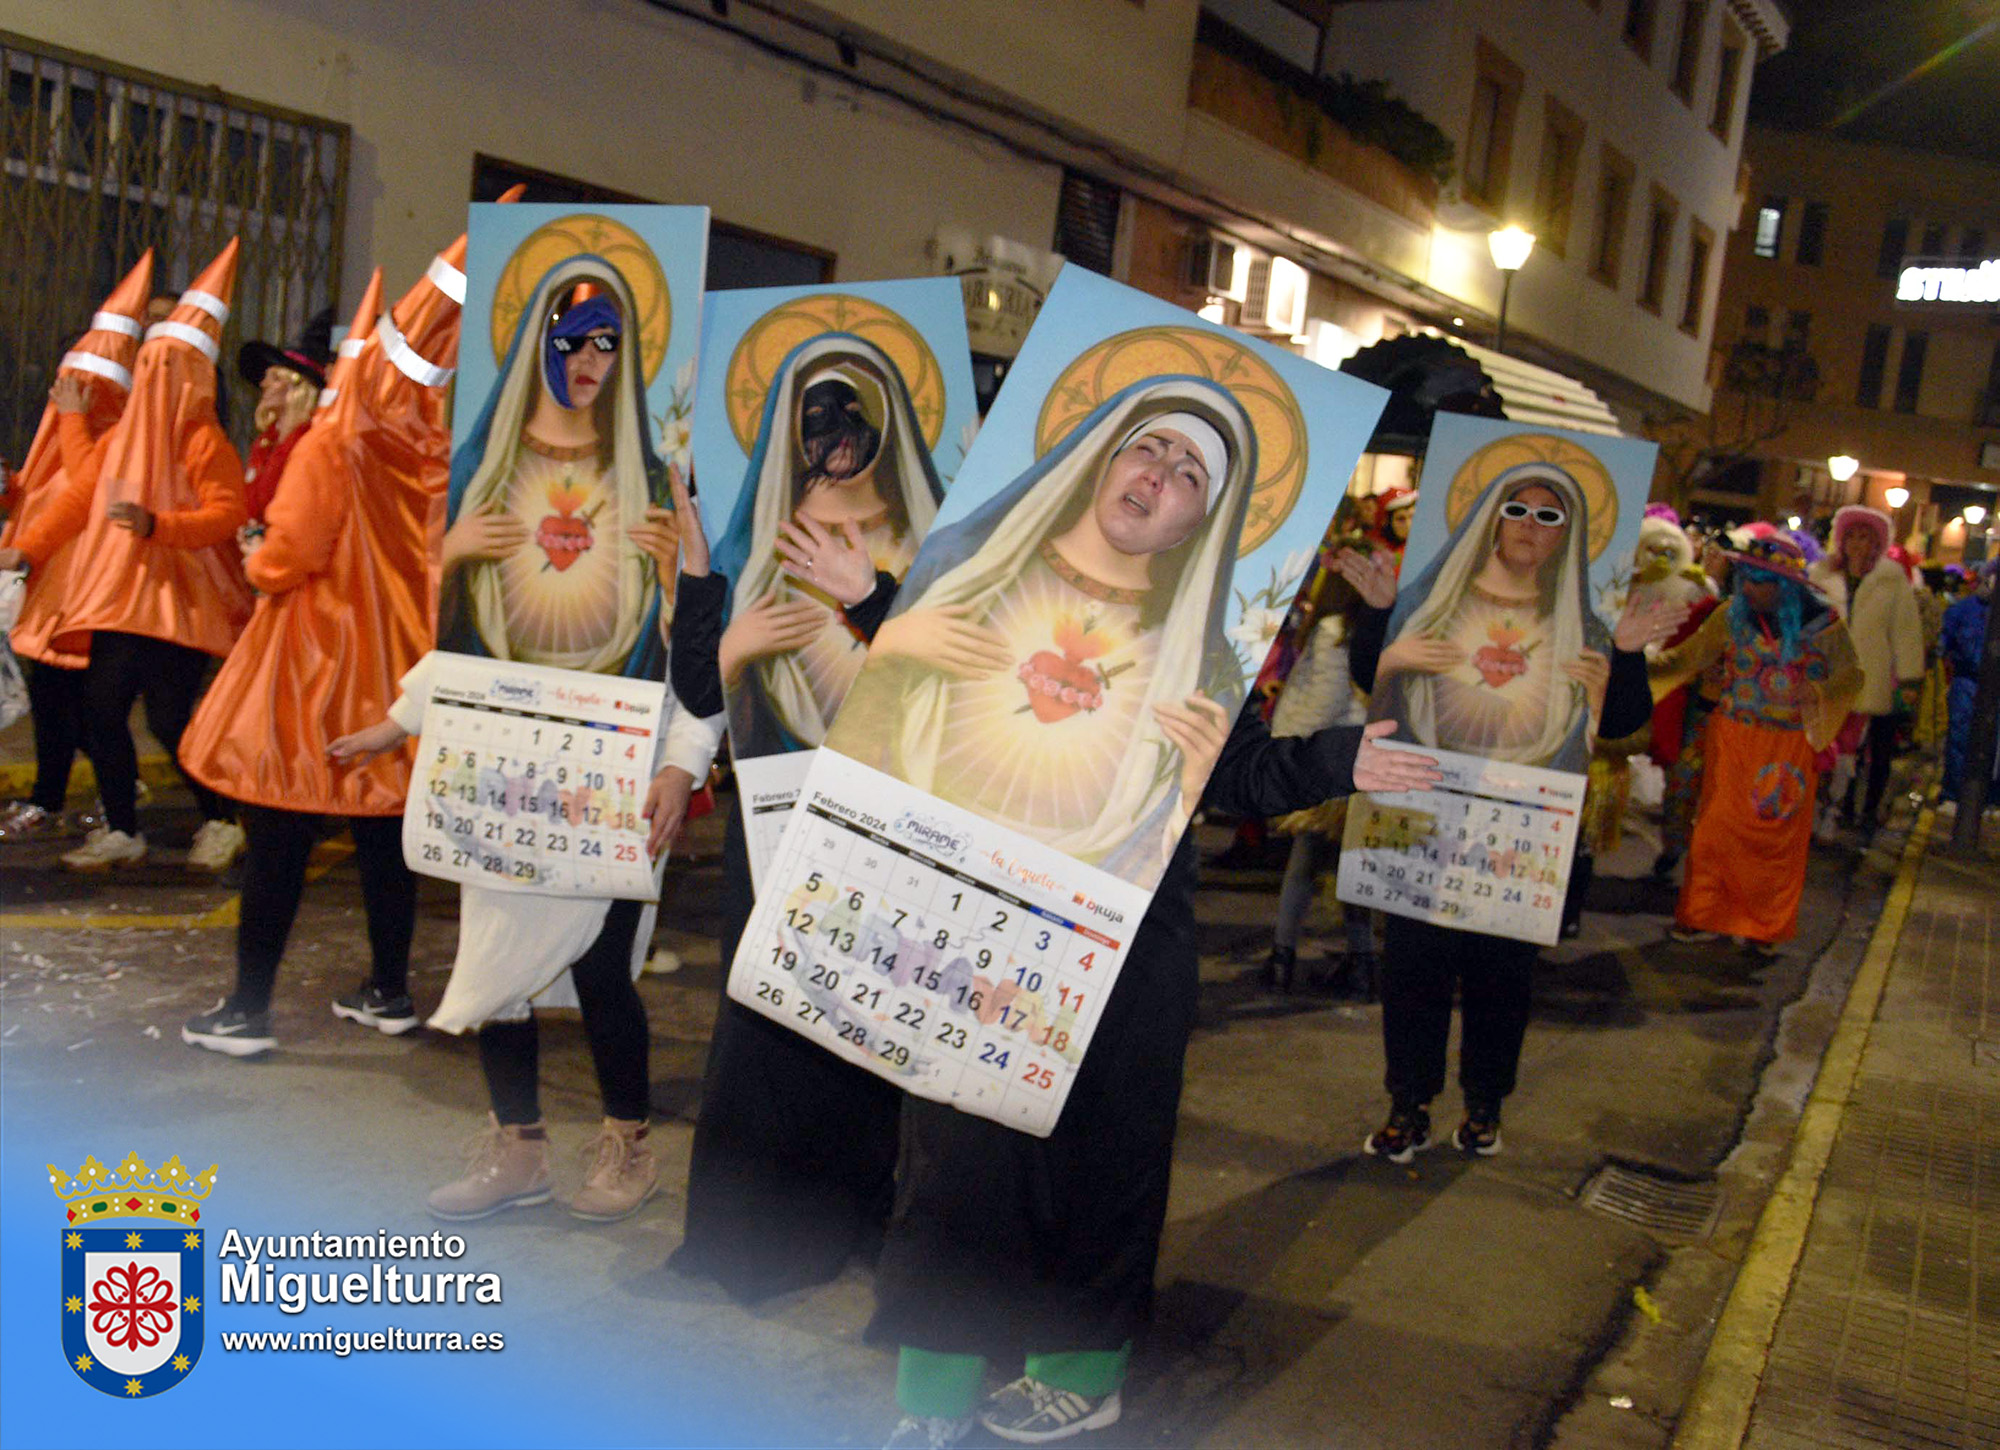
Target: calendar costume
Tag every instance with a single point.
(837, 412)
(1507, 699)
(344, 571)
(577, 595)
(1065, 748)
(789, 1134)
(1787, 681)
(150, 608)
(102, 359)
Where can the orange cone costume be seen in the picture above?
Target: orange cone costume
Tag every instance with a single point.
(350, 347)
(167, 453)
(347, 571)
(103, 359)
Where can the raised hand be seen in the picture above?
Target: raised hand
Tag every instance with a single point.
(832, 559)
(1648, 619)
(693, 540)
(658, 536)
(1372, 574)
(1384, 772)
(946, 639)
(70, 394)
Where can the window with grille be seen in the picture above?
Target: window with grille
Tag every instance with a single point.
(1087, 221)
(99, 162)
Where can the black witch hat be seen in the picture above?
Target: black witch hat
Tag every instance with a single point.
(309, 356)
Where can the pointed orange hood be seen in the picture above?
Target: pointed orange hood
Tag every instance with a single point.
(358, 333)
(194, 596)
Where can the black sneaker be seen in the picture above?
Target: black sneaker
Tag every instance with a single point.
(371, 1007)
(1480, 1132)
(227, 1030)
(1278, 969)
(1406, 1134)
(1029, 1412)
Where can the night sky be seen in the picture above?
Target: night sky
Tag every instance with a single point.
(1918, 73)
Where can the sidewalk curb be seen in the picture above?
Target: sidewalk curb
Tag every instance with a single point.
(17, 776)
(1717, 1416)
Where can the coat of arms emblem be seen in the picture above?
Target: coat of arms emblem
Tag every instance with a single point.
(133, 1301)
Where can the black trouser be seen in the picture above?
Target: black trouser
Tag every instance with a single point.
(274, 876)
(614, 1019)
(55, 703)
(1495, 975)
(1880, 748)
(124, 667)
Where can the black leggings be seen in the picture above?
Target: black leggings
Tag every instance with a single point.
(124, 667)
(55, 702)
(1880, 748)
(274, 876)
(1421, 964)
(614, 1019)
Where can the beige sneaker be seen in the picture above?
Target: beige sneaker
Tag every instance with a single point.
(215, 845)
(104, 848)
(504, 1168)
(621, 1175)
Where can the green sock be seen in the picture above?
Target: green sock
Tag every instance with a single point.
(942, 1385)
(1088, 1372)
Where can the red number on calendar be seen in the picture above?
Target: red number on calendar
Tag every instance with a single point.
(1040, 1077)
(627, 851)
(1087, 960)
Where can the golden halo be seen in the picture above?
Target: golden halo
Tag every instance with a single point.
(618, 244)
(1489, 462)
(754, 365)
(1148, 352)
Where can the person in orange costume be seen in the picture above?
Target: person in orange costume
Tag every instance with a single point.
(92, 383)
(344, 568)
(156, 586)
(1787, 675)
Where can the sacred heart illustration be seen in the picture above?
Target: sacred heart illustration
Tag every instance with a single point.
(565, 535)
(1059, 685)
(1499, 661)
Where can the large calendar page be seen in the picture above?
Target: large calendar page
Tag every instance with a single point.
(1016, 759)
(964, 963)
(1489, 850)
(532, 779)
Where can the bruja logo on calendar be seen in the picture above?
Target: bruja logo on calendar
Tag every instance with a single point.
(132, 1297)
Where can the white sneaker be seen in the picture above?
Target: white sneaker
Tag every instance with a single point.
(104, 848)
(215, 845)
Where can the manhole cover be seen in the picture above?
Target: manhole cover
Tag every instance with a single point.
(1666, 1206)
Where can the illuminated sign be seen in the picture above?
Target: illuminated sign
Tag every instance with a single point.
(1979, 284)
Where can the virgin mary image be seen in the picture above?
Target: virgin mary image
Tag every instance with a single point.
(550, 556)
(838, 449)
(1493, 648)
(1019, 673)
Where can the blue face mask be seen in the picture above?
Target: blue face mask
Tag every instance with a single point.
(587, 316)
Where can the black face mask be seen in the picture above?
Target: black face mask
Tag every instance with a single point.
(835, 436)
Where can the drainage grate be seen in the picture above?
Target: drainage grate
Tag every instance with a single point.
(1672, 1208)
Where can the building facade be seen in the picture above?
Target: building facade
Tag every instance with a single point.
(1860, 272)
(1198, 150)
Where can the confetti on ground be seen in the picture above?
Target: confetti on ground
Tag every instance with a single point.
(1645, 1302)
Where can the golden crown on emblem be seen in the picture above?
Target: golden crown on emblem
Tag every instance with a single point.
(135, 1190)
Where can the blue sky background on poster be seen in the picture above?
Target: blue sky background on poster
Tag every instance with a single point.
(931, 306)
(677, 236)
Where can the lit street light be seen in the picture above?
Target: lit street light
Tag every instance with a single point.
(1842, 467)
(1975, 514)
(1895, 495)
(1510, 247)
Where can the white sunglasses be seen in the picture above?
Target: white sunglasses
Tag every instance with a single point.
(1548, 516)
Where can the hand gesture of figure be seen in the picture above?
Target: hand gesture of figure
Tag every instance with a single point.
(946, 639)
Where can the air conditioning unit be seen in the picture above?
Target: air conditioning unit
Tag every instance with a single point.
(1275, 300)
(1217, 266)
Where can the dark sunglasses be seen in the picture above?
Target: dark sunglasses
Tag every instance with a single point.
(1548, 516)
(602, 341)
(1770, 551)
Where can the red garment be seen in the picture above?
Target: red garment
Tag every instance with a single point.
(268, 454)
(1670, 712)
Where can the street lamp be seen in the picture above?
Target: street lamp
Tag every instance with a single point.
(1975, 514)
(1842, 467)
(1895, 495)
(1510, 247)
